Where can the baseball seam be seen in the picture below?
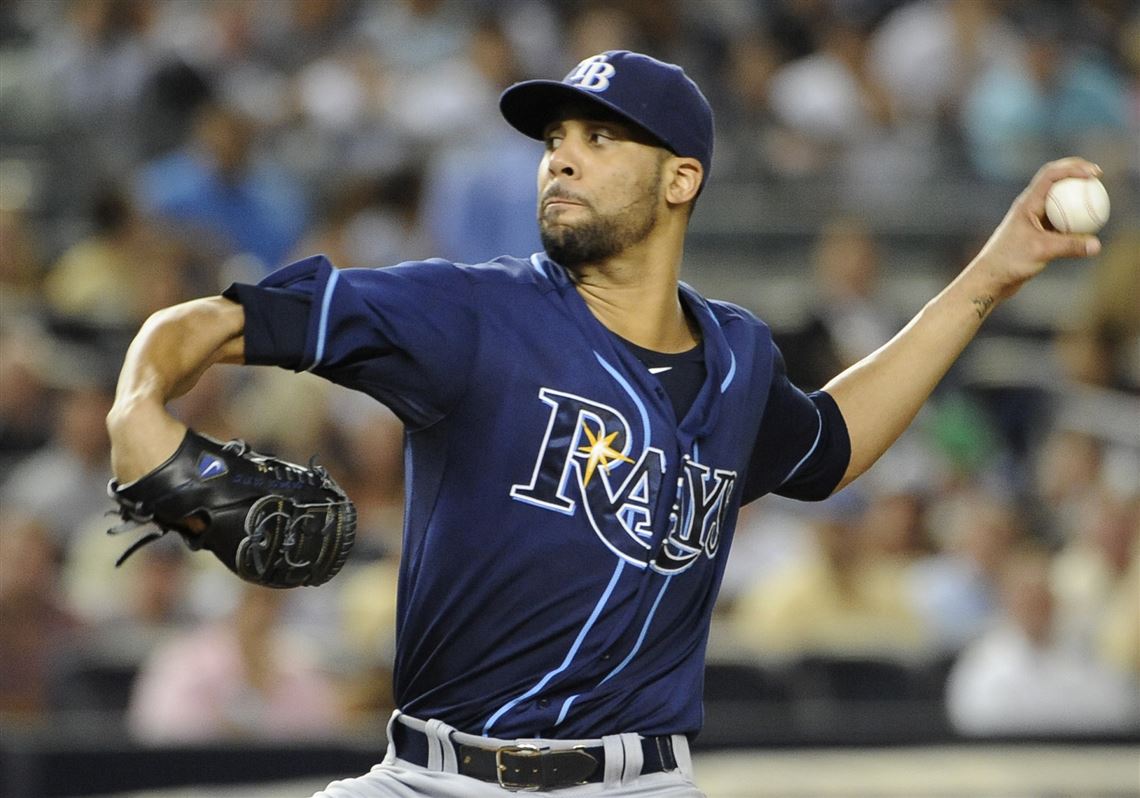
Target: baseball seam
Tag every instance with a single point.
(1091, 209)
(1059, 212)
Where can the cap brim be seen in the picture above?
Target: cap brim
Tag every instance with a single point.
(532, 105)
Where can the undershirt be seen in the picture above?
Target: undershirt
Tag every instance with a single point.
(681, 374)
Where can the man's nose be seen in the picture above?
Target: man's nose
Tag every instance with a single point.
(562, 161)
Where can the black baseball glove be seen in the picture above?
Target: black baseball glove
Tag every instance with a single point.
(271, 522)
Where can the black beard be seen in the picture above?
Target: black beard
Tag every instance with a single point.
(602, 237)
(596, 240)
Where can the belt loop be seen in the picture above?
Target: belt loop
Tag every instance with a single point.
(435, 750)
(441, 753)
(450, 756)
(681, 755)
(615, 760)
(634, 758)
(390, 754)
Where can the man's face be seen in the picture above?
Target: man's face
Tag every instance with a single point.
(599, 187)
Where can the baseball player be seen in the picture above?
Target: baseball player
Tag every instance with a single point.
(581, 431)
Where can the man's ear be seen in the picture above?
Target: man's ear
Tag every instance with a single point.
(684, 181)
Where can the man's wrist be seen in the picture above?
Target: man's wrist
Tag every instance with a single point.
(980, 289)
(143, 435)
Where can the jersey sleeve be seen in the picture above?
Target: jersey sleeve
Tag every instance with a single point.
(404, 334)
(802, 449)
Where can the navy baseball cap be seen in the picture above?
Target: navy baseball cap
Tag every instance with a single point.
(655, 96)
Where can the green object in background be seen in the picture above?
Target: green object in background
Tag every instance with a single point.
(962, 432)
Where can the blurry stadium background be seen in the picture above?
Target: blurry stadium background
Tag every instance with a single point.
(965, 621)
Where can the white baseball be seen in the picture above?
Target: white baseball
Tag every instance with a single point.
(1077, 205)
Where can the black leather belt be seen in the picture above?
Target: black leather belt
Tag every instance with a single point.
(527, 767)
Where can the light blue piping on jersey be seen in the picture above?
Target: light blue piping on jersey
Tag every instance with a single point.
(731, 372)
(818, 435)
(323, 325)
(537, 264)
(632, 395)
(573, 652)
(640, 638)
(629, 657)
(731, 363)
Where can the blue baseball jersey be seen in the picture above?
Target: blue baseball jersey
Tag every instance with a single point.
(565, 534)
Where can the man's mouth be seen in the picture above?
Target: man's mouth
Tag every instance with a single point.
(556, 204)
(558, 200)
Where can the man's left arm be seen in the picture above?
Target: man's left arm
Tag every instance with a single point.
(880, 395)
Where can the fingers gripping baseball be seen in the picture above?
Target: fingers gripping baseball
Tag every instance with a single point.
(1025, 242)
(1051, 243)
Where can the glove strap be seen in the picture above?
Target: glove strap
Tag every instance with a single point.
(138, 544)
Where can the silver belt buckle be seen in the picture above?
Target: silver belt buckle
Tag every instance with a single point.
(525, 750)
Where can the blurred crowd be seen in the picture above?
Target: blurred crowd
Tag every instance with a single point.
(156, 150)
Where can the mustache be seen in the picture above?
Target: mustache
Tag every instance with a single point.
(558, 192)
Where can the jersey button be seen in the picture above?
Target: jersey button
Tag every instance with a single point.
(543, 703)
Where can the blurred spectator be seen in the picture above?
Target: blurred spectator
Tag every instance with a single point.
(99, 59)
(92, 60)
(65, 482)
(845, 119)
(1101, 345)
(771, 535)
(796, 26)
(480, 198)
(433, 95)
(416, 34)
(243, 677)
(598, 27)
(209, 408)
(955, 592)
(1118, 640)
(895, 525)
(166, 108)
(290, 34)
(127, 612)
(928, 52)
(373, 221)
(368, 620)
(34, 626)
(1069, 466)
(292, 429)
(749, 139)
(1022, 678)
(217, 185)
(370, 442)
(1050, 98)
(21, 266)
(119, 274)
(848, 319)
(26, 401)
(1091, 570)
(135, 604)
(843, 599)
(345, 129)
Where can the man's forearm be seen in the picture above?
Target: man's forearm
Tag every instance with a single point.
(171, 351)
(880, 395)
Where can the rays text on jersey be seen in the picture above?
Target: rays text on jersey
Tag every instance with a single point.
(585, 463)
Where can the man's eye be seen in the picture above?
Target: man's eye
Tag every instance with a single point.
(601, 135)
(553, 141)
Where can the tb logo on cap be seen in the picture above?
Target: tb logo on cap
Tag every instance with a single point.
(593, 74)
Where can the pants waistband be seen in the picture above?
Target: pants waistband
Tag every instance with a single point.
(529, 764)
